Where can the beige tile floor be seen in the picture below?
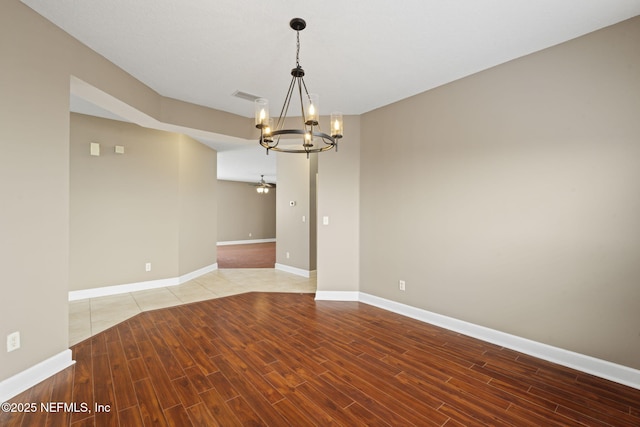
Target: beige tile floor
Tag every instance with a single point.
(90, 316)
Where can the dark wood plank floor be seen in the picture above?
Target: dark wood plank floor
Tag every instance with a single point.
(251, 255)
(285, 359)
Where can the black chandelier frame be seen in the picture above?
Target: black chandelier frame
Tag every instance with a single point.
(313, 139)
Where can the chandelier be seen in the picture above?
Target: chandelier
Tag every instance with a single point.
(309, 137)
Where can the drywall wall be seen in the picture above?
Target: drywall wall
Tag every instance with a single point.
(339, 200)
(198, 216)
(34, 181)
(123, 207)
(295, 229)
(243, 213)
(510, 199)
(39, 60)
(155, 203)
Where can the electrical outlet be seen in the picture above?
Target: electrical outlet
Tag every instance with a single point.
(13, 341)
(402, 285)
(147, 267)
(287, 255)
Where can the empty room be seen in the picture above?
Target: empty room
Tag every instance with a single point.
(454, 207)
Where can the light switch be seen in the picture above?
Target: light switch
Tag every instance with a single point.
(119, 149)
(325, 220)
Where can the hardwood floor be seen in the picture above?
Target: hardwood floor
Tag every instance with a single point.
(284, 359)
(252, 255)
(91, 316)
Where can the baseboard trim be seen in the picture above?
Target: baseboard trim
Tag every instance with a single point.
(245, 242)
(121, 289)
(337, 296)
(26, 379)
(294, 270)
(195, 274)
(591, 365)
(139, 286)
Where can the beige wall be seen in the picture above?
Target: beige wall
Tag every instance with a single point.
(296, 179)
(34, 180)
(243, 214)
(510, 199)
(339, 199)
(155, 203)
(38, 61)
(123, 207)
(198, 221)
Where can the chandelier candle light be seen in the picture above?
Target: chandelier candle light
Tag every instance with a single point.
(310, 137)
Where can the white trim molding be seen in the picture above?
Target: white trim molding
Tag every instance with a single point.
(139, 286)
(294, 270)
(26, 379)
(337, 296)
(245, 242)
(591, 365)
(195, 274)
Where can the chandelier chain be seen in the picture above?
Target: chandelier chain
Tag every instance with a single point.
(297, 48)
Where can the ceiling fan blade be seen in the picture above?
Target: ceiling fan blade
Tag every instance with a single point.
(261, 183)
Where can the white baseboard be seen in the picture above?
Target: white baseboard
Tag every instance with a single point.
(121, 289)
(26, 379)
(337, 296)
(245, 242)
(139, 286)
(195, 274)
(591, 365)
(295, 270)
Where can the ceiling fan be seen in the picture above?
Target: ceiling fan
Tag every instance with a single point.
(263, 186)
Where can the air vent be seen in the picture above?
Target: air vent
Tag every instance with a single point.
(245, 95)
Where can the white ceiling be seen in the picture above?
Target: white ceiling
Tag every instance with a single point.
(358, 55)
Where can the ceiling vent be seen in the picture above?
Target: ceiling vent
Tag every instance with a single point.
(245, 95)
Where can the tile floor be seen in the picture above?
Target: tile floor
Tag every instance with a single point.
(90, 316)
